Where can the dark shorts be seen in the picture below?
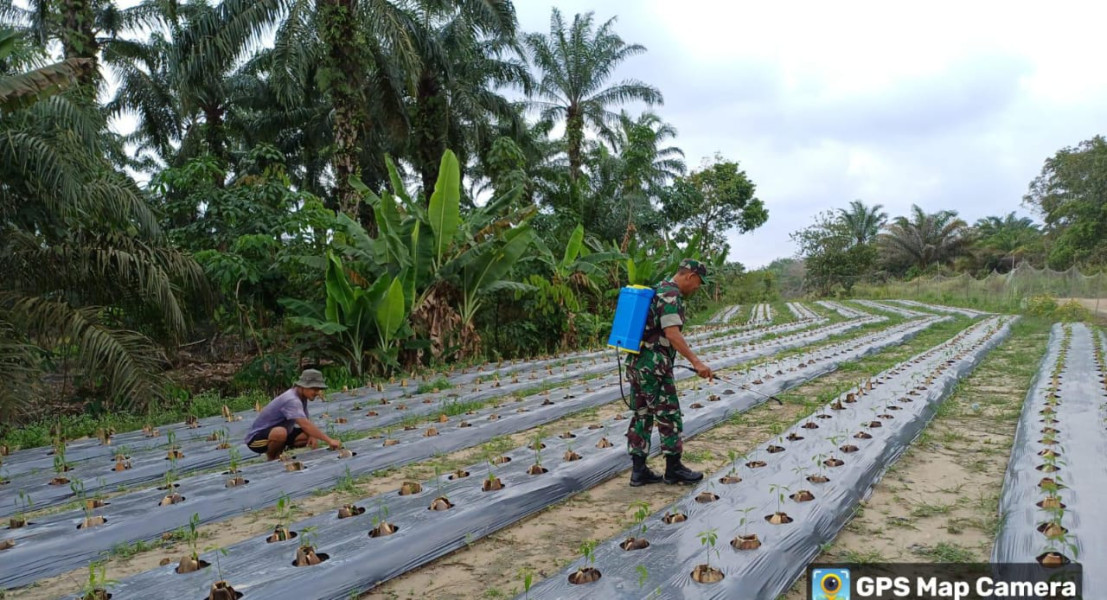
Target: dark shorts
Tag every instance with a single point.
(259, 442)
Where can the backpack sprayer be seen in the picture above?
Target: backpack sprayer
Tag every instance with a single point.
(630, 324)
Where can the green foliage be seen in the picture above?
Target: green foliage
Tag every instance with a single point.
(1068, 194)
(832, 257)
(708, 203)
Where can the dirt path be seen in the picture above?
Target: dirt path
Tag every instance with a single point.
(549, 540)
(939, 502)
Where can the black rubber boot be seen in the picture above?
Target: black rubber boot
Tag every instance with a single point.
(676, 472)
(641, 474)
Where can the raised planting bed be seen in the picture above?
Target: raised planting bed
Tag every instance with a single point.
(724, 315)
(201, 449)
(845, 311)
(210, 498)
(1050, 504)
(570, 462)
(941, 308)
(896, 310)
(801, 312)
(756, 539)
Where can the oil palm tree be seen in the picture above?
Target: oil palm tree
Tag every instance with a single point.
(861, 222)
(576, 64)
(1003, 241)
(925, 240)
(88, 279)
(468, 50)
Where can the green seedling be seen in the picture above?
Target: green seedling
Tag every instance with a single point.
(588, 551)
(382, 513)
(60, 465)
(733, 456)
(643, 575)
(642, 510)
(284, 511)
(219, 551)
(708, 539)
(779, 491)
(23, 506)
(745, 516)
(193, 535)
(235, 458)
(171, 437)
(528, 580)
(98, 582)
(309, 535)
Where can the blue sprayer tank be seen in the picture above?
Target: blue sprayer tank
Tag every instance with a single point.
(630, 318)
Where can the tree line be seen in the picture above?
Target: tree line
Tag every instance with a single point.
(860, 243)
(367, 185)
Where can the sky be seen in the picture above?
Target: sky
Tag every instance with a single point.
(940, 104)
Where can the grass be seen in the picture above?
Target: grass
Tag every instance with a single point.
(946, 552)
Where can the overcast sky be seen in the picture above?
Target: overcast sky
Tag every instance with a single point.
(944, 105)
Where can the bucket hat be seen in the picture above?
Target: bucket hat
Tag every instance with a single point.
(311, 378)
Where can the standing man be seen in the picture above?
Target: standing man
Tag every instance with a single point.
(284, 423)
(651, 378)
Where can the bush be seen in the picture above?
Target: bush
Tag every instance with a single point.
(1072, 311)
(271, 373)
(1041, 306)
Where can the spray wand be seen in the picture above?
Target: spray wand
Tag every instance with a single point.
(744, 387)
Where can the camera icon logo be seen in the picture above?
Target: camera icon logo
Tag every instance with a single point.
(830, 584)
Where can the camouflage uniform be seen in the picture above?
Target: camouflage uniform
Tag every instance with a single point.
(653, 390)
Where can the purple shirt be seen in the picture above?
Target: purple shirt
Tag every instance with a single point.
(282, 411)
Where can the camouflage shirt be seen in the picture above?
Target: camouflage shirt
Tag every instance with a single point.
(666, 310)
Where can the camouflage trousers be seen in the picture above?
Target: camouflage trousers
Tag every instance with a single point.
(653, 398)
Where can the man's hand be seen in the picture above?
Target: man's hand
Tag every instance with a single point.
(313, 443)
(702, 370)
(334, 444)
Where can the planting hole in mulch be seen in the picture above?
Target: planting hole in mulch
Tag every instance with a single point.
(306, 557)
(537, 470)
(221, 590)
(775, 449)
(174, 455)
(538, 446)
(746, 542)
(837, 405)
(848, 448)
(236, 482)
(410, 487)
(705, 497)
(793, 437)
(350, 510)
(1049, 430)
(344, 453)
(441, 503)
(603, 443)
(191, 565)
(585, 575)
(802, 496)
(1052, 530)
(458, 474)
(707, 574)
(1050, 503)
(695, 405)
(861, 435)
(875, 424)
(595, 426)
(571, 456)
(810, 425)
(885, 416)
(171, 499)
(620, 417)
(501, 460)
(730, 479)
(16, 523)
(390, 442)
(280, 534)
(492, 484)
(372, 413)
(493, 417)
(906, 399)
(676, 517)
(779, 518)
(633, 543)
(59, 481)
(1048, 453)
(568, 435)
(851, 398)
(1048, 468)
(713, 398)
(833, 462)
(824, 416)
(294, 466)
(1052, 559)
(175, 485)
(464, 424)
(894, 407)
(95, 503)
(755, 464)
(1047, 483)
(4, 545)
(384, 529)
(91, 522)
